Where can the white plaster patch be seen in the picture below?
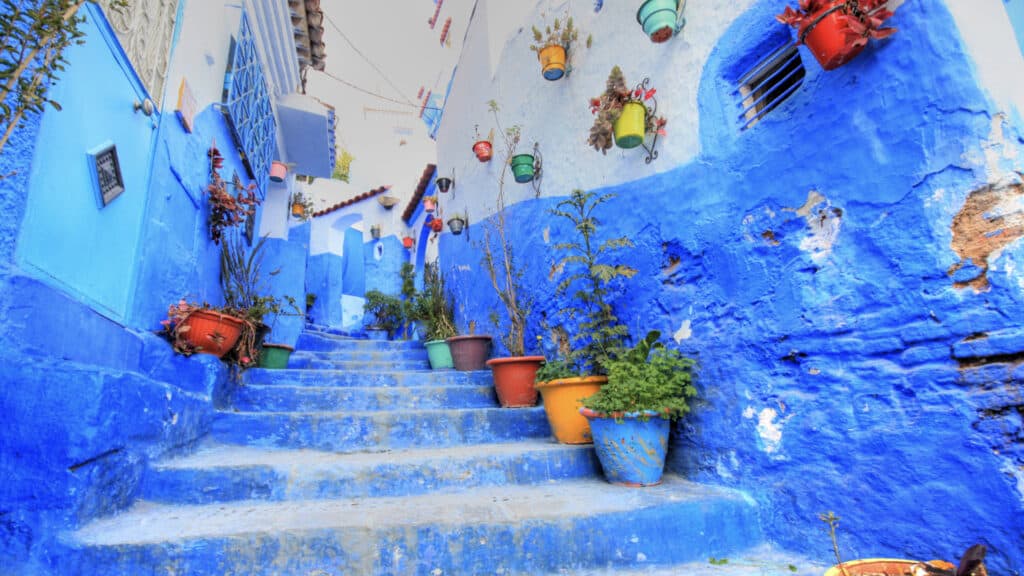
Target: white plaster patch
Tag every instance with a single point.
(463, 268)
(824, 224)
(684, 332)
(749, 412)
(641, 557)
(769, 431)
(634, 539)
(813, 199)
(547, 235)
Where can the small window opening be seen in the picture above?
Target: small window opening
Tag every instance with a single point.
(768, 83)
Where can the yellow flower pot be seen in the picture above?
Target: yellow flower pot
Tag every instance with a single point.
(562, 402)
(552, 62)
(629, 127)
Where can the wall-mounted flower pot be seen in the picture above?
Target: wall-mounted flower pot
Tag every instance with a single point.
(298, 210)
(552, 62)
(429, 205)
(630, 125)
(212, 332)
(562, 406)
(375, 232)
(436, 225)
(444, 184)
(483, 150)
(470, 352)
(387, 202)
(275, 356)
(439, 354)
(631, 450)
(456, 225)
(408, 242)
(513, 380)
(659, 19)
(522, 167)
(827, 39)
(278, 170)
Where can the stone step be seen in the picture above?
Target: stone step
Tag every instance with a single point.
(367, 378)
(322, 342)
(377, 356)
(304, 362)
(763, 560)
(257, 398)
(553, 527)
(357, 431)
(222, 473)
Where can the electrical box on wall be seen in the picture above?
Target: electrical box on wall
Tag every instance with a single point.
(106, 172)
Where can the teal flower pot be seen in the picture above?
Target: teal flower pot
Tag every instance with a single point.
(632, 452)
(522, 167)
(658, 18)
(275, 356)
(439, 354)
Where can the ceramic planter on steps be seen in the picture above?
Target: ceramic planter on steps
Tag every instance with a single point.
(212, 332)
(562, 403)
(470, 352)
(513, 380)
(439, 354)
(275, 356)
(631, 446)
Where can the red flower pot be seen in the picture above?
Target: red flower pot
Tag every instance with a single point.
(212, 332)
(513, 380)
(483, 150)
(407, 242)
(828, 39)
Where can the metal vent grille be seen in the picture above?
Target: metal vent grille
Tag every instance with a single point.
(768, 83)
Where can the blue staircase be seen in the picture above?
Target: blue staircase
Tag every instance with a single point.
(360, 460)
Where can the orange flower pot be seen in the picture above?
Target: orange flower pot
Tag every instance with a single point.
(407, 242)
(828, 39)
(212, 332)
(552, 62)
(513, 380)
(298, 210)
(562, 403)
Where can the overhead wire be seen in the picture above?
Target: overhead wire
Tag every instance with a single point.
(368, 61)
(376, 95)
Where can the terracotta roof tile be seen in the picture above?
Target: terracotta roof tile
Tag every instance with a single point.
(421, 188)
(351, 201)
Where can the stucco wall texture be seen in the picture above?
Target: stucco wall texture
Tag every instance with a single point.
(847, 271)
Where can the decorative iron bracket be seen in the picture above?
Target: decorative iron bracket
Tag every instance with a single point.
(652, 112)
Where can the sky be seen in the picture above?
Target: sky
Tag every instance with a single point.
(388, 48)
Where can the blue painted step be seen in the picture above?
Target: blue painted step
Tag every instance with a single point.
(367, 378)
(354, 431)
(565, 526)
(372, 356)
(319, 363)
(320, 342)
(761, 560)
(222, 473)
(257, 398)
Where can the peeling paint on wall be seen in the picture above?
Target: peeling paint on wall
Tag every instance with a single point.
(991, 218)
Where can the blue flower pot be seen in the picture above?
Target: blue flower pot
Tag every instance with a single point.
(632, 452)
(658, 18)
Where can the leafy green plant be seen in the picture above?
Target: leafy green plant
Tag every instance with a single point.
(607, 108)
(434, 305)
(587, 275)
(503, 269)
(555, 34)
(343, 166)
(307, 205)
(386, 311)
(647, 377)
(227, 210)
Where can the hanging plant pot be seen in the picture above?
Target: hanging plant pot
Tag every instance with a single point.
(470, 352)
(212, 332)
(436, 225)
(522, 167)
(439, 354)
(826, 37)
(483, 150)
(444, 184)
(631, 450)
(429, 204)
(456, 225)
(562, 402)
(630, 125)
(513, 380)
(552, 62)
(660, 19)
(298, 210)
(278, 170)
(408, 242)
(275, 356)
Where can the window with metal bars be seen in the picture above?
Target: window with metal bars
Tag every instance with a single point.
(768, 83)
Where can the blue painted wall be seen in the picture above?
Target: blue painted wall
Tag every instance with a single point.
(353, 278)
(322, 278)
(817, 265)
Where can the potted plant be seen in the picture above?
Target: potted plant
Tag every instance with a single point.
(457, 223)
(278, 171)
(552, 47)
(375, 231)
(227, 210)
(302, 206)
(444, 183)
(201, 328)
(482, 146)
(586, 275)
(648, 386)
(429, 204)
(310, 302)
(408, 242)
(661, 19)
(469, 351)
(625, 117)
(836, 31)
(436, 224)
(434, 307)
(386, 313)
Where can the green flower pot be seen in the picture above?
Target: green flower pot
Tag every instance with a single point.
(275, 356)
(439, 354)
(522, 167)
(658, 18)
